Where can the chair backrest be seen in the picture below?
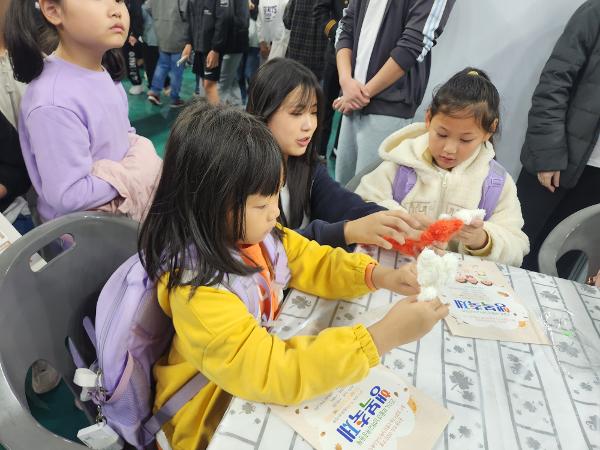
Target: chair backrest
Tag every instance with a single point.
(39, 310)
(355, 181)
(580, 232)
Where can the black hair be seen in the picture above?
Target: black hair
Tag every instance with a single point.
(269, 87)
(470, 91)
(215, 158)
(29, 36)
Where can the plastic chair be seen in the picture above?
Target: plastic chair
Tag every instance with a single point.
(355, 181)
(579, 232)
(39, 310)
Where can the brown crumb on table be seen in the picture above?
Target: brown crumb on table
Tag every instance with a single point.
(322, 433)
(412, 405)
(297, 411)
(338, 447)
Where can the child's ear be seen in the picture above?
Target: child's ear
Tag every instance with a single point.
(428, 118)
(52, 11)
(493, 128)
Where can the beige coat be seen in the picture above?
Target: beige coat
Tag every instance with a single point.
(440, 191)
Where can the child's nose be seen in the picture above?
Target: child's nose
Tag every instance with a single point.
(450, 147)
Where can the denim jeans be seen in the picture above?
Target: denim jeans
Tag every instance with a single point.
(167, 64)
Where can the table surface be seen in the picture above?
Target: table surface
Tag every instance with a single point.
(503, 395)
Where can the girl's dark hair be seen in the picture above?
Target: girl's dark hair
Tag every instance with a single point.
(470, 91)
(215, 158)
(29, 36)
(269, 87)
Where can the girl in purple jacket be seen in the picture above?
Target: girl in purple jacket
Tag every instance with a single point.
(74, 111)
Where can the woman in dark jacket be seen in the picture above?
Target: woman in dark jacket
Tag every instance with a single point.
(561, 152)
(288, 98)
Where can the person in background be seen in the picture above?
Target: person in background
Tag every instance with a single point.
(236, 45)
(328, 13)
(132, 50)
(209, 22)
(383, 60)
(307, 42)
(251, 59)
(561, 151)
(174, 44)
(14, 180)
(272, 36)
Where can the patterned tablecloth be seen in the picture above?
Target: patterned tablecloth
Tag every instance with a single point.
(503, 395)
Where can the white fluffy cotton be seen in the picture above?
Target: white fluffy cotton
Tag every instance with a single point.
(469, 215)
(434, 272)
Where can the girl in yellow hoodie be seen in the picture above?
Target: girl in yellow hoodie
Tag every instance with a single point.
(216, 202)
(450, 155)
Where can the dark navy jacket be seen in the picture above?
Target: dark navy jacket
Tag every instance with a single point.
(331, 206)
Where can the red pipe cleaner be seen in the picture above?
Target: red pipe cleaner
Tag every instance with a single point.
(439, 231)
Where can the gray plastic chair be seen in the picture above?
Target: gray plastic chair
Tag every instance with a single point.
(38, 310)
(580, 231)
(355, 181)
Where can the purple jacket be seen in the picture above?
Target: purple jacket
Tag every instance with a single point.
(71, 117)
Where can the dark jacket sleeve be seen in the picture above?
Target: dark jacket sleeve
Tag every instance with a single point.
(425, 21)
(331, 207)
(545, 147)
(223, 20)
(288, 14)
(323, 13)
(13, 173)
(345, 30)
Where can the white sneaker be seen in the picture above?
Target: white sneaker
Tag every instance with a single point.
(44, 377)
(136, 89)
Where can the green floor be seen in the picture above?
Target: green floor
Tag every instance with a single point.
(56, 410)
(154, 122)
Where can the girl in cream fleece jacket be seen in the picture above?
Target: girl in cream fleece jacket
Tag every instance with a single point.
(450, 154)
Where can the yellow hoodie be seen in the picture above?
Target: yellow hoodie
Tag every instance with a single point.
(440, 191)
(216, 335)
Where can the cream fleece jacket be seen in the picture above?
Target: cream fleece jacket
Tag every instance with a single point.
(440, 191)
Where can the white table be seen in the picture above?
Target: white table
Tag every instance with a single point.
(502, 395)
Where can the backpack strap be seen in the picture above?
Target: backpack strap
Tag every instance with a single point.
(278, 259)
(404, 181)
(492, 188)
(174, 404)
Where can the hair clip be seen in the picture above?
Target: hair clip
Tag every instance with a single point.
(37, 5)
(473, 73)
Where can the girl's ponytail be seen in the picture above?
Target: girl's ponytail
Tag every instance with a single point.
(24, 28)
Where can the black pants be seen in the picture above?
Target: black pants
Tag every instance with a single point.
(331, 89)
(131, 55)
(543, 210)
(150, 55)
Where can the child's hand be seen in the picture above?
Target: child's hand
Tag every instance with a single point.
(372, 229)
(473, 236)
(407, 321)
(402, 280)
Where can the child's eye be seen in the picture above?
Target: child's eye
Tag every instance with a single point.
(442, 135)
(466, 141)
